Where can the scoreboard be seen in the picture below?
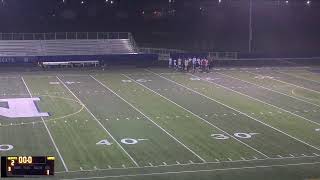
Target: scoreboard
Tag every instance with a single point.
(24, 166)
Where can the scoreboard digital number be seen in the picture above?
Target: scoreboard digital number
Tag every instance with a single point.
(24, 166)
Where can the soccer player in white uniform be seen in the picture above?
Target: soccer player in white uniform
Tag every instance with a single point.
(170, 62)
(179, 63)
(194, 64)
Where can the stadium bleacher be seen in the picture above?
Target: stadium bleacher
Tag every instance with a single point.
(72, 49)
(65, 47)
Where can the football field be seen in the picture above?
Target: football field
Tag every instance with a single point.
(231, 123)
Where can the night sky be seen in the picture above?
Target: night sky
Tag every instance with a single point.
(204, 24)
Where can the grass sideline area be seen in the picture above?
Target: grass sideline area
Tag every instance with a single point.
(231, 123)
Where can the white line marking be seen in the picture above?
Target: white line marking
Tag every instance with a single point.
(148, 117)
(241, 113)
(268, 89)
(201, 118)
(297, 76)
(151, 164)
(212, 162)
(94, 117)
(195, 171)
(260, 101)
(289, 83)
(45, 125)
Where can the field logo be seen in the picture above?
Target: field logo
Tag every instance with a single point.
(20, 108)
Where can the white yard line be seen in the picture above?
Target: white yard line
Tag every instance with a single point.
(250, 97)
(248, 146)
(299, 77)
(45, 125)
(195, 171)
(317, 148)
(95, 118)
(268, 89)
(149, 119)
(286, 83)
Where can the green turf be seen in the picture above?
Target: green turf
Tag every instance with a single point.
(162, 124)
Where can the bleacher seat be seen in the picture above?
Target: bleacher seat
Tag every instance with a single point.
(65, 47)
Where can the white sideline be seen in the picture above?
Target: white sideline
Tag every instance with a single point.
(199, 117)
(149, 119)
(299, 77)
(239, 112)
(45, 125)
(268, 89)
(95, 118)
(287, 83)
(194, 171)
(258, 100)
(193, 163)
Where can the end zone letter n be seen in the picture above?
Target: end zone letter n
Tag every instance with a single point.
(21, 108)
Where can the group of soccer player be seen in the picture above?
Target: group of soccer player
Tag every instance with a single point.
(190, 64)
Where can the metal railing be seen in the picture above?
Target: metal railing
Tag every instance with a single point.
(224, 55)
(65, 35)
(160, 51)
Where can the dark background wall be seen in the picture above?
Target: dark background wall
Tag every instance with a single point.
(198, 25)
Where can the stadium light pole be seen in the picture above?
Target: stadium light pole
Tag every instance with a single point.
(250, 26)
